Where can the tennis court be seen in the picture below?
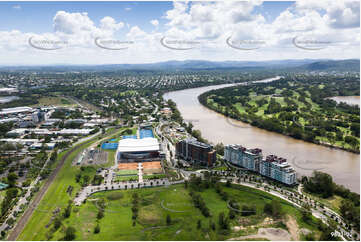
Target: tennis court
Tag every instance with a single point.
(109, 146)
(129, 137)
(146, 133)
(153, 167)
(128, 166)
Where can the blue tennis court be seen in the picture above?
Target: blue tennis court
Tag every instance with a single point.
(129, 137)
(146, 133)
(109, 146)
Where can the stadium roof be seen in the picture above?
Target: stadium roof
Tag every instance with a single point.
(138, 145)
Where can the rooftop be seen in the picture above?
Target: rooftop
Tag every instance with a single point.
(15, 110)
(138, 145)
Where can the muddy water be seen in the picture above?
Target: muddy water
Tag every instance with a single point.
(305, 157)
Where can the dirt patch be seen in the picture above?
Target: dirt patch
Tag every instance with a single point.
(274, 234)
(292, 227)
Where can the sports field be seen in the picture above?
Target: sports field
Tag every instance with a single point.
(126, 172)
(128, 166)
(153, 167)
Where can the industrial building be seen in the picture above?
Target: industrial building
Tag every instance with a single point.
(273, 167)
(196, 152)
(16, 110)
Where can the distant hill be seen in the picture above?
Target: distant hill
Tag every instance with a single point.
(291, 65)
(332, 65)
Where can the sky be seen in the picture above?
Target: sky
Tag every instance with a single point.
(48, 33)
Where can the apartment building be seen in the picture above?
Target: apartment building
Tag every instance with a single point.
(196, 152)
(273, 167)
(278, 168)
(241, 156)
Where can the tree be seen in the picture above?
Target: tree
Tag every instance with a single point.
(199, 224)
(232, 214)
(223, 221)
(352, 141)
(320, 183)
(306, 214)
(67, 211)
(348, 210)
(77, 177)
(86, 179)
(69, 233)
(219, 148)
(212, 225)
(268, 209)
(97, 229)
(12, 177)
(11, 193)
(100, 214)
(276, 209)
(168, 220)
(57, 223)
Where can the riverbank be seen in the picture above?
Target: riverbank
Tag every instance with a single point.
(246, 121)
(304, 157)
(297, 109)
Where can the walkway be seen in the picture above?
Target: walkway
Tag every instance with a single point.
(87, 191)
(140, 172)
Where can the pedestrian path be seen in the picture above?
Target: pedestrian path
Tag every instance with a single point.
(140, 172)
(87, 191)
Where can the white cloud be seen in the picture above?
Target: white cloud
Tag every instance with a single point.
(338, 14)
(154, 22)
(211, 23)
(17, 7)
(136, 33)
(127, 9)
(110, 24)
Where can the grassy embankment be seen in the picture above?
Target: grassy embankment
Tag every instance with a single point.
(151, 222)
(56, 196)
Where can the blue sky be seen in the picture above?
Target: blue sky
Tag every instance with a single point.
(145, 24)
(37, 16)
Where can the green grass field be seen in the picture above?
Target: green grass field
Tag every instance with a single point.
(157, 176)
(127, 172)
(151, 222)
(111, 156)
(126, 178)
(55, 101)
(56, 196)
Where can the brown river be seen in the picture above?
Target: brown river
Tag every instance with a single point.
(304, 157)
